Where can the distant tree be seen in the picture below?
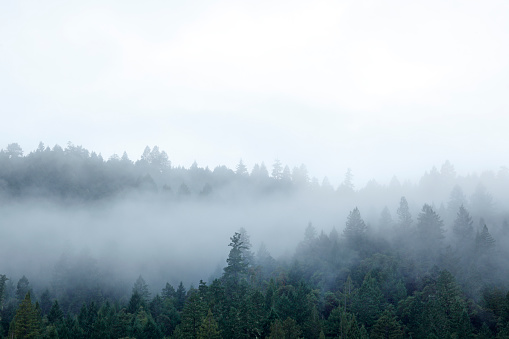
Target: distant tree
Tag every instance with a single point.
(14, 150)
(310, 232)
(463, 229)
(300, 175)
(168, 292)
(404, 216)
(277, 170)
(141, 287)
(347, 184)
(264, 173)
(206, 190)
(484, 240)
(286, 176)
(246, 252)
(3, 279)
(241, 169)
(430, 233)
(22, 288)
(429, 225)
(385, 219)
(326, 185)
(55, 313)
(456, 199)
(355, 229)
(183, 190)
(481, 202)
(255, 172)
(45, 302)
(180, 296)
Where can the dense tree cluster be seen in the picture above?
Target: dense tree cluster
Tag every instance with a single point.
(333, 287)
(431, 272)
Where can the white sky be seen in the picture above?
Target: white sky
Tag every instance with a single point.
(382, 87)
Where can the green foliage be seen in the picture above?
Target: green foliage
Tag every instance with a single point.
(236, 264)
(209, 328)
(26, 323)
(387, 326)
(368, 301)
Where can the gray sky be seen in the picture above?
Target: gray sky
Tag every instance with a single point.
(385, 88)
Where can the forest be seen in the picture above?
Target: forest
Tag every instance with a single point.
(116, 248)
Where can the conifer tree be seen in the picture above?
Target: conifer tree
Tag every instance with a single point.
(55, 313)
(484, 240)
(141, 287)
(209, 328)
(26, 322)
(355, 229)
(463, 229)
(387, 326)
(236, 264)
(404, 216)
(368, 301)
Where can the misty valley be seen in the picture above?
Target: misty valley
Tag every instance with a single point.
(121, 248)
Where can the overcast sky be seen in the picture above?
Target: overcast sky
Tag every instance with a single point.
(384, 88)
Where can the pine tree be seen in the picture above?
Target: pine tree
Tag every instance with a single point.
(141, 287)
(484, 240)
(368, 301)
(385, 219)
(404, 216)
(22, 288)
(241, 169)
(55, 313)
(387, 326)
(277, 170)
(236, 264)
(3, 279)
(355, 230)
(168, 292)
(26, 322)
(209, 328)
(430, 226)
(180, 296)
(463, 229)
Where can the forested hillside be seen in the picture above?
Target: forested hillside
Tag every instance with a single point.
(403, 260)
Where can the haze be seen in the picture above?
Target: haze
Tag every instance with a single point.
(382, 88)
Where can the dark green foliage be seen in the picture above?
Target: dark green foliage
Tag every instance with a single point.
(387, 326)
(3, 279)
(209, 328)
(26, 322)
(45, 302)
(180, 296)
(135, 302)
(237, 266)
(368, 301)
(55, 313)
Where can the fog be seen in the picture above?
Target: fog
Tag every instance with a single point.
(174, 224)
(161, 240)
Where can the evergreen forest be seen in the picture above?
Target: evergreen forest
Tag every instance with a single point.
(398, 260)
